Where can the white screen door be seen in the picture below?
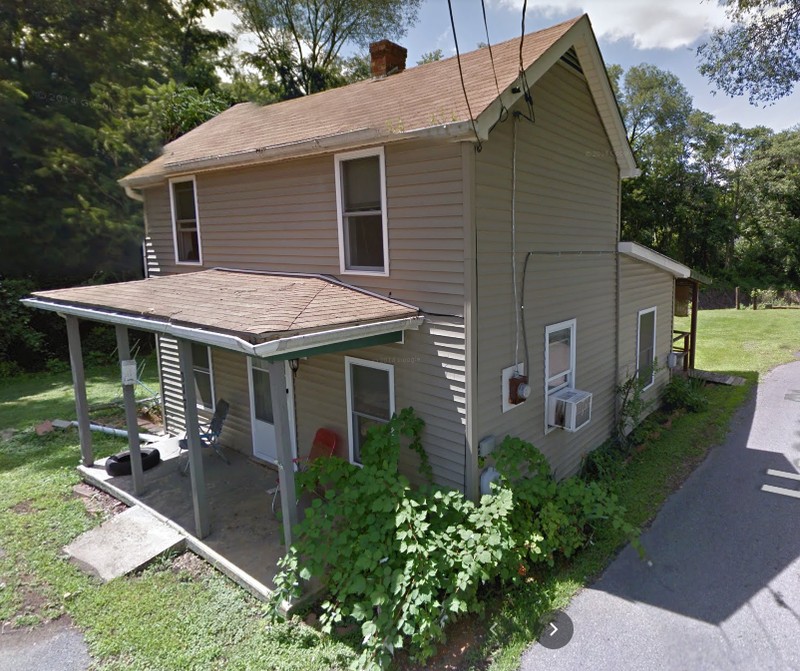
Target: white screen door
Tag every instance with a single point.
(262, 421)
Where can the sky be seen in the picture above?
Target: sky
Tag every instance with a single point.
(665, 33)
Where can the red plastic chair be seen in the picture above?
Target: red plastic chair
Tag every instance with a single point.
(323, 447)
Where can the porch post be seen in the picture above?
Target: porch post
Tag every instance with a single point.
(199, 500)
(79, 386)
(695, 308)
(129, 398)
(280, 414)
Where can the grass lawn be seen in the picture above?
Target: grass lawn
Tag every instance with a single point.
(177, 614)
(754, 340)
(180, 614)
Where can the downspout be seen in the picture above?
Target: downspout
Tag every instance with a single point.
(617, 306)
(133, 195)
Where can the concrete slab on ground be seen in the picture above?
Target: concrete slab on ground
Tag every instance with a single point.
(123, 544)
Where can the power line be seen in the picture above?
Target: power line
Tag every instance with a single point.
(461, 74)
(503, 108)
(523, 78)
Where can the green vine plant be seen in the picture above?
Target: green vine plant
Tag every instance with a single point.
(401, 562)
(632, 405)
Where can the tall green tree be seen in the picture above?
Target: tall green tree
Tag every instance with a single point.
(301, 42)
(68, 72)
(759, 55)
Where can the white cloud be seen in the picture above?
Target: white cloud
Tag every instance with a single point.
(647, 24)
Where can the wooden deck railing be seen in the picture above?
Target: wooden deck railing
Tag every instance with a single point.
(685, 346)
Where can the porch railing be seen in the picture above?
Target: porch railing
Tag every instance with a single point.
(681, 342)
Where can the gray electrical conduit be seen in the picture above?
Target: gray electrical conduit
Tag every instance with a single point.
(122, 433)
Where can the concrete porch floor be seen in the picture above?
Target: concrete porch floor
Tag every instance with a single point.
(246, 539)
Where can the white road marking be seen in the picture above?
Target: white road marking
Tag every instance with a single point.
(781, 490)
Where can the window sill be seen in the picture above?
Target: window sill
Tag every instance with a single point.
(368, 273)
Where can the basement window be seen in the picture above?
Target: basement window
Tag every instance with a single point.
(361, 211)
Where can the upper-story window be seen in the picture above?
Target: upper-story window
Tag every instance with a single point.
(185, 222)
(361, 210)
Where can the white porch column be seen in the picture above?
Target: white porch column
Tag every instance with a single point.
(79, 386)
(129, 398)
(202, 524)
(283, 438)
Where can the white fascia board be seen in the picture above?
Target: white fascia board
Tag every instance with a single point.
(654, 258)
(231, 342)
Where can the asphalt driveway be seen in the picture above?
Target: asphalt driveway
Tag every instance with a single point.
(721, 587)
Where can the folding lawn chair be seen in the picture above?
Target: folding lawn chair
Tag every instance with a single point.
(209, 434)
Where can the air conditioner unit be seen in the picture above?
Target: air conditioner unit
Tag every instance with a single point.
(571, 409)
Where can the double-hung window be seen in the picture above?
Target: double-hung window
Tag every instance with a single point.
(646, 346)
(370, 399)
(361, 211)
(185, 222)
(203, 376)
(559, 356)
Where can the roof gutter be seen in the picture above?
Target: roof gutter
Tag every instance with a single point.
(231, 342)
(133, 195)
(654, 258)
(457, 131)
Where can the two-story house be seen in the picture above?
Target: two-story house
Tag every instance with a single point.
(401, 241)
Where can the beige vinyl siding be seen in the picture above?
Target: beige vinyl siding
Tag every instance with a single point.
(567, 187)
(171, 385)
(231, 383)
(282, 218)
(644, 286)
(428, 375)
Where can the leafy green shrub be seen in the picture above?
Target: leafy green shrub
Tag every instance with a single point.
(399, 562)
(632, 406)
(550, 519)
(685, 393)
(402, 562)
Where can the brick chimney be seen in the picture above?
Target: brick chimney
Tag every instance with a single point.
(387, 58)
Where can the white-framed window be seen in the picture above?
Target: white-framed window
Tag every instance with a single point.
(361, 212)
(370, 399)
(559, 356)
(203, 376)
(646, 346)
(185, 221)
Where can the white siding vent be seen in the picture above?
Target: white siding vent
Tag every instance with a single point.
(571, 409)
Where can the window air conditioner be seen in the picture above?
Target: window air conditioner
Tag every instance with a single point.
(571, 409)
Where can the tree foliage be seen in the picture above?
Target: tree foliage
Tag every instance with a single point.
(718, 197)
(73, 77)
(302, 42)
(759, 55)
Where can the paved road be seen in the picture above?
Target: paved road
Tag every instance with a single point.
(723, 589)
(55, 646)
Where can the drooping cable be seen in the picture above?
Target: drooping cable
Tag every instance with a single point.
(523, 77)
(503, 108)
(479, 146)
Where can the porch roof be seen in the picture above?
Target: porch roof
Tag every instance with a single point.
(261, 314)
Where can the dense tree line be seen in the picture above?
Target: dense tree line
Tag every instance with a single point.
(91, 90)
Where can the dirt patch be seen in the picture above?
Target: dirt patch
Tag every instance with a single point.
(190, 563)
(98, 502)
(34, 604)
(23, 507)
(463, 637)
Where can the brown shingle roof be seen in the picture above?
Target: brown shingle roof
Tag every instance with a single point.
(255, 307)
(425, 96)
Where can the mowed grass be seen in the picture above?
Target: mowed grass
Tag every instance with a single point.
(168, 616)
(746, 340)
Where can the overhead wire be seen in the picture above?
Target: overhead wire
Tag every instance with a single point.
(479, 146)
(503, 108)
(523, 77)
